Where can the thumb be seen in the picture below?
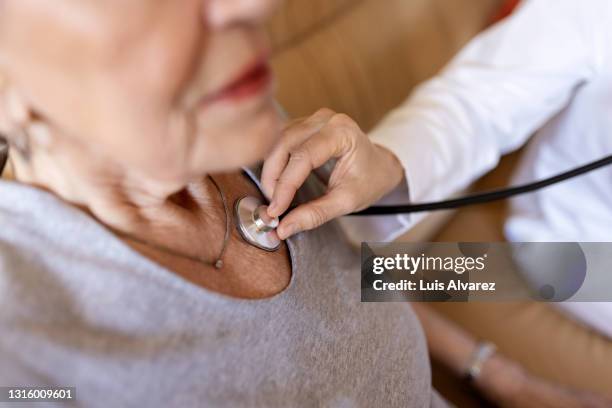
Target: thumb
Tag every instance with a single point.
(315, 213)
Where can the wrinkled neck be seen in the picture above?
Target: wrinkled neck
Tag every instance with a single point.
(173, 216)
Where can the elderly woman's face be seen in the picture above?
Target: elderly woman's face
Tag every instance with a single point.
(169, 88)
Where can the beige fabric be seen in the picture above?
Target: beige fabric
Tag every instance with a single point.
(363, 57)
(298, 19)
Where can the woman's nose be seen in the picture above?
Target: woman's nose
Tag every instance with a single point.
(223, 13)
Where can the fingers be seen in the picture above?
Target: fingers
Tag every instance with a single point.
(313, 153)
(306, 146)
(294, 134)
(315, 213)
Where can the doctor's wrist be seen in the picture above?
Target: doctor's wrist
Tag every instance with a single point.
(501, 379)
(394, 170)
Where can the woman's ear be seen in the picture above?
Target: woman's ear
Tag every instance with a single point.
(24, 134)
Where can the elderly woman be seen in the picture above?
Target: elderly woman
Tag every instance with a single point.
(118, 114)
(121, 271)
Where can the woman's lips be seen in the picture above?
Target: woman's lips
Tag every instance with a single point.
(253, 82)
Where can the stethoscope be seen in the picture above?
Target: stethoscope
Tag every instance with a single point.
(257, 229)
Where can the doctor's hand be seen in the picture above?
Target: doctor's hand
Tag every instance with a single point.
(362, 174)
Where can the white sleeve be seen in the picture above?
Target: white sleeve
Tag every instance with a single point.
(505, 84)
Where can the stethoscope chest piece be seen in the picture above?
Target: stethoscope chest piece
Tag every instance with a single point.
(254, 224)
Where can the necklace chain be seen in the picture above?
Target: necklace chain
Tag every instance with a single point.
(218, 262)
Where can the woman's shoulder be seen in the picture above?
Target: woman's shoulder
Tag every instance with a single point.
(21, 208)
(35, 225)
(15, 222)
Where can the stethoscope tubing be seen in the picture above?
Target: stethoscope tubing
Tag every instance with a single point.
(487, 196)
